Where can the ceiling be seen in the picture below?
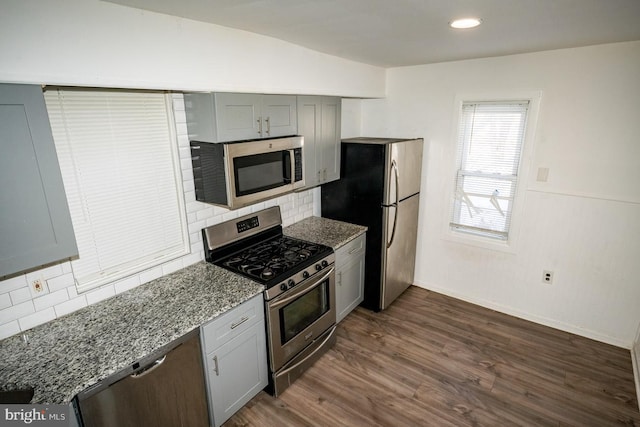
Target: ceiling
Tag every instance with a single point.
(392, 33)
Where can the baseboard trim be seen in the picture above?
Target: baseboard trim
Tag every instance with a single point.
(635, 359)
(528, 316)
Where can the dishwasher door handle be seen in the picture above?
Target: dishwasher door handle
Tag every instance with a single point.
(149, 368)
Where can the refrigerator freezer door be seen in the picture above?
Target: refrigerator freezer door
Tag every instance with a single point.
(400, 249)
(403, 174)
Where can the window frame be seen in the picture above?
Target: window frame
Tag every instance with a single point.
(524, 167)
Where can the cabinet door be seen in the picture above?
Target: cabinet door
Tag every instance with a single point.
(238, 116)
(200, 111)
(319, 123)
(279, 115)
(309, 123)
(35, 224)
(328, 149)
(237, 371)
(349, 277)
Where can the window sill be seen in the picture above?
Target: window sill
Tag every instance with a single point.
(479, 241)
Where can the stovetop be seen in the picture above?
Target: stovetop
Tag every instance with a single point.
(273, 260)
(253, 246)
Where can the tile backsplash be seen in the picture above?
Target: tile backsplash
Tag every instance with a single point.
(22, 308)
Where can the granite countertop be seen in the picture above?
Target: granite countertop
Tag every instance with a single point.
(324, 231)
(67, 355)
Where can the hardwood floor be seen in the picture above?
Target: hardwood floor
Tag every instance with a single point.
(431, 360)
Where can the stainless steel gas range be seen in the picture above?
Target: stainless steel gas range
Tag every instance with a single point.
(299, 278)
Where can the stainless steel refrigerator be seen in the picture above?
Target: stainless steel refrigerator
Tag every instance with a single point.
(379, 187)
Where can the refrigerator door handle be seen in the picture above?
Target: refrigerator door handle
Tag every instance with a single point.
(394, 168)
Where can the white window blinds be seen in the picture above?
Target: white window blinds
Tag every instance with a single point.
(118, 160)
(490, 139)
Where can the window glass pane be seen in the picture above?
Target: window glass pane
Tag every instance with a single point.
(490, 138)
(494, 141)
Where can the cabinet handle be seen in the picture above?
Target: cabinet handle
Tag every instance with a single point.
(340, 278)
(215, 365)
(239, 322)
(324, 172)
(259, 125)
(268, 125)
(148, 369)
(354, 250)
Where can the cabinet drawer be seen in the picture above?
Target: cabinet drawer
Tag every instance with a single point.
(232, 323)
(353, 249)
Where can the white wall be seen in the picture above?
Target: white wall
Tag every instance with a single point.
(583, 223)
(351, 118)
(94, 43)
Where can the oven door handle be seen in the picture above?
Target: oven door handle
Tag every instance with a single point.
(275, 305)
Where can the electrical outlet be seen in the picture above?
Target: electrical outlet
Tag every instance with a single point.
(37, 286)
(547, 277)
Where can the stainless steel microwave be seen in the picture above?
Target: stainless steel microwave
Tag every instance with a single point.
(236, 174)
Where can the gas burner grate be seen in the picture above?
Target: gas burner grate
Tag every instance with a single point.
(272, 258)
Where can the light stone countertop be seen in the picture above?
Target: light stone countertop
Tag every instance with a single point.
(69, 354)
(324, 231)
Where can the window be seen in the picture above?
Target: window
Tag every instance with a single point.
(490, 141)
(118, 156)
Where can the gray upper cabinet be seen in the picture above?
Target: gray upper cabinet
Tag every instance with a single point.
(221, 117)
(279, 116)
(35, 225)
(319, 123)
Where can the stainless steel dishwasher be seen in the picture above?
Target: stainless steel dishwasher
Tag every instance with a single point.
(164, 389)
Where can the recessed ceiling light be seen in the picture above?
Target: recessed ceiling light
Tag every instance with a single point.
(465, 23)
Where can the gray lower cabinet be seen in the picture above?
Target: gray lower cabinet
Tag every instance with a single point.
(350, 276)
(35, 223)
(222, 117)
(235, 358)
(319, 120)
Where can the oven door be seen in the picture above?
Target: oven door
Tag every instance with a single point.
(297, 317)
(263, 169)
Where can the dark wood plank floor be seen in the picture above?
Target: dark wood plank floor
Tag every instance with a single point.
(431, 360)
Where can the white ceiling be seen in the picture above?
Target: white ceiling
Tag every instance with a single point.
(391, 33)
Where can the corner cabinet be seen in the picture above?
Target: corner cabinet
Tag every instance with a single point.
(235, 358)
(222, 117)
(350, 276)
(35, 223)
(319, 124)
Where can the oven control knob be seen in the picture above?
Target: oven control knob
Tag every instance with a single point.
(318, 267)
(305, 274)
(291, 283)
(283, 287)
(325, 263)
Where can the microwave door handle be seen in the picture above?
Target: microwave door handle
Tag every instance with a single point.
(292, 161)
(288, 166)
